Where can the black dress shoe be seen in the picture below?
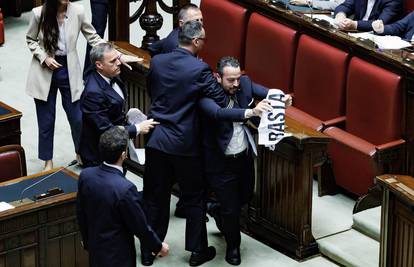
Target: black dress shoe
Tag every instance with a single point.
(147, 260)
(233, 256)
(198, 258)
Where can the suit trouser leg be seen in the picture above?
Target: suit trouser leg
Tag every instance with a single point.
(73, 113)
(46, 113)
(157, 192)
(188, 171)
(99, 19)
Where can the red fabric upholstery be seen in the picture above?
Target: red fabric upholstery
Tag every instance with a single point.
(374, 98)
(12, 162)
(320, 75)
(270, 53)
(1, 28)
(352, 161)
(373, 118)
(225, 26)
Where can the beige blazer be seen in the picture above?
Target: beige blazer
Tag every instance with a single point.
(40, 76)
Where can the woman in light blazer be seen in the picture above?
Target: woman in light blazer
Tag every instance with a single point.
(52, 37)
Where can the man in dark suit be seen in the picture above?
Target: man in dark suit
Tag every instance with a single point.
(109, 211)
(365, 12)
(228, 149)
(176, 81)
(189, 12)
(99, 9)
(103, 104)
(403, 28)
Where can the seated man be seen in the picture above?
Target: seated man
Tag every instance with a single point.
(109, 211)
(365, 12)
(103, 104)
(228, 149)
(403, 28)
(318, 4)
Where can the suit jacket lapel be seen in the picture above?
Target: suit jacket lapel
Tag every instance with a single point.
(107, 88)
(363, 8)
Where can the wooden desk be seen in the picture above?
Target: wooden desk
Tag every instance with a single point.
(397, 221)
(281, 212)
(42, 233)
(9, 125)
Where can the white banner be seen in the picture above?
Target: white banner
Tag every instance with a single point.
(272, 124)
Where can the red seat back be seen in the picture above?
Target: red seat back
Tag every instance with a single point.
(1, 28)
(12, 162)
(270, 53)
(373, 103)
(320, 75)
(225, 26)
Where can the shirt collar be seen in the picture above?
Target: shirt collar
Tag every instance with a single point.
(114, 166)
(108, 80)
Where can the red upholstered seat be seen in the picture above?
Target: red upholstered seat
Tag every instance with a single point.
(225, 26)
(270, 53)
(319, 83)
(12, 162)
(373, 125)
(1, 28)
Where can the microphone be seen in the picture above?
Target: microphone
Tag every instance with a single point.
(310, 5)
(73, 162)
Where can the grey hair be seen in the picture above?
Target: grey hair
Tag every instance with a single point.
(226, 62)
(183, 11)
(98, 51)
(189, 31)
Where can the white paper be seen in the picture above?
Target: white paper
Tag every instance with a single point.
(383, 42)
(323, 17)
(135, 116)
(272, 124)
(5, 206)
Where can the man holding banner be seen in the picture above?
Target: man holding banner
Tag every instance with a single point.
(229, 147)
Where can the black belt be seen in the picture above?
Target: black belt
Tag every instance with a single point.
(237, 155)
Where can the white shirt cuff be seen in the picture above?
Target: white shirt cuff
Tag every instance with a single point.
(138, 128)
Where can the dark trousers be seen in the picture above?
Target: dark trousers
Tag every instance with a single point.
(99, 19)
(160, 168)
(233, 189)
(46, 112)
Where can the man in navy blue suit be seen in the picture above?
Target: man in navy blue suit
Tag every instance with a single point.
(365, 12)
(189, 12)
(103, 104)
(109, 211)
(229, 147)
(176, 81)
(403, 28)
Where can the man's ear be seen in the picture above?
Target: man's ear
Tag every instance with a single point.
(98, 65)
(218, 77)
(124, 155)
(180, 23)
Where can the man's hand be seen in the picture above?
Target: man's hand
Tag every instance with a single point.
(262, 106)
(125, 59)
(147, 125)
(347, 24)
(378, 26)
(165, 249)
(288, 100)
(51, 63)
(300, 2)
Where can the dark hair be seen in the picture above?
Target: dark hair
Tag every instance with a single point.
(184, 9)
(112, 143)
(49, 26)
(226, 62)
(189, 31)
(98, 51)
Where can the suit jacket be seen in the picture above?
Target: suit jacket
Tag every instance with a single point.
(102, 108)
(40, 76)
(326, 4)
(217, 122)
(176, 81)
(165, 45)
(109, 215)
(386, 10)
(403, 28)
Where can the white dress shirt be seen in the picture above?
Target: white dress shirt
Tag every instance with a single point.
(114, 166)
(115, 86)
(370, 5)
(61, 51)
